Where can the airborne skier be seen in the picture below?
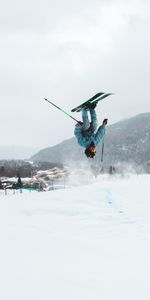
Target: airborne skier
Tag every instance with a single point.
(86, 132)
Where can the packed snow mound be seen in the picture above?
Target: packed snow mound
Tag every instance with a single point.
(86, 242)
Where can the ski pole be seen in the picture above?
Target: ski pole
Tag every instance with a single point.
(102, 154)
(61, 110)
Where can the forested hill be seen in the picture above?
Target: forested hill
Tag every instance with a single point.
(126, 141)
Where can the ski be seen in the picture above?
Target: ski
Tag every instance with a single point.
(91, 99)
(95, 99)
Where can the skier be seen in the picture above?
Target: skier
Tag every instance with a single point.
(86, 133)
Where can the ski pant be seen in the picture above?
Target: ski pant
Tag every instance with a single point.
(87, 125)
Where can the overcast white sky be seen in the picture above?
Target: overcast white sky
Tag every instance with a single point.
(67, 51)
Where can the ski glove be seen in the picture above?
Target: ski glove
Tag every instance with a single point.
(105, 121)
(79, 123)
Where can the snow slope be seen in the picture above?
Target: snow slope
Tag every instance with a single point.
(89, 242)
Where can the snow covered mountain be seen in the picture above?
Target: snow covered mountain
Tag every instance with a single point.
(127, 141)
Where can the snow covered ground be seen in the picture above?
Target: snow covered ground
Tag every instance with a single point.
(87, 242)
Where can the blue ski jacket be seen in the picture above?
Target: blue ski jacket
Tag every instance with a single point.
(86, 138)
